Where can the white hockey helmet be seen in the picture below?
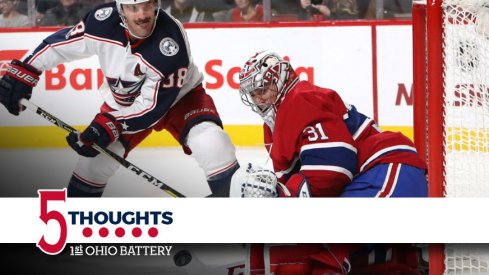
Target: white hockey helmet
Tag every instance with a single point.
(260, 71)
(119, 4)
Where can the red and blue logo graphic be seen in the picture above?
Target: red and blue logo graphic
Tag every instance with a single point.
(97, 223)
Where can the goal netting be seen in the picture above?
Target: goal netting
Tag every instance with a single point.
(451, 86)
(466, 100)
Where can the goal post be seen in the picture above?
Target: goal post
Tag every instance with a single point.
(451, 112)
(428, 89)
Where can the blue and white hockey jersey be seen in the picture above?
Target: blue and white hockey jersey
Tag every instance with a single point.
(143, 80)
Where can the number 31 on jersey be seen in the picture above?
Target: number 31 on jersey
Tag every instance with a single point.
(315, 133)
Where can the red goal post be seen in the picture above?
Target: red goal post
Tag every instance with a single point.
(451, 112)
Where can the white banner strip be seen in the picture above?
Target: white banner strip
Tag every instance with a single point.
(192, 220)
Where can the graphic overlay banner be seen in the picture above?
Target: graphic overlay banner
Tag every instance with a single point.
(199, 220)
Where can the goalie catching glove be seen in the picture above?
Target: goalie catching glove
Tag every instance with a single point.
(252, 181)
(17, 83)
(103, 130)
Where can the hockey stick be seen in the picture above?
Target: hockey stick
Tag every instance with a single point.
(131, 167)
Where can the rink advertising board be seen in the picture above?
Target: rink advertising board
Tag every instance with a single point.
(369, 65)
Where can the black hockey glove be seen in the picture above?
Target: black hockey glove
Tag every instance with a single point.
(103, 130)
(17, 83)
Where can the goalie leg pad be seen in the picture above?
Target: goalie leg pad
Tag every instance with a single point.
(91, 174)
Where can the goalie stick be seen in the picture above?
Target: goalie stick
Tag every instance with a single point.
(131, 167)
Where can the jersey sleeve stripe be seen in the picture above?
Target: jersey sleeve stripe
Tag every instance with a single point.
(390, 181)
(327, 168)
(328, 145)
(104, 40)
(66, 42)
(31, 59)
(337, 156)
(288, 170)
(59, 36)
(49, 46)
(362, 128)
(385, 151)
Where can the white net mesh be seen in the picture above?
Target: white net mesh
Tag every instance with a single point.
(466, 83)
(467, 259)
(466, 76)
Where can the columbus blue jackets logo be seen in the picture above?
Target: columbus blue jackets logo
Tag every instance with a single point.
(125, 92)
(168, 46)
(102, 14)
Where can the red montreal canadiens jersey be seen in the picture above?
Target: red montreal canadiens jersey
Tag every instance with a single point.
(329, 142)
(143, 79)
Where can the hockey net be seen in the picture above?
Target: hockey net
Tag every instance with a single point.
(451, 91)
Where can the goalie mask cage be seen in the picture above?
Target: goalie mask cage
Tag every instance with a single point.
(451, 112)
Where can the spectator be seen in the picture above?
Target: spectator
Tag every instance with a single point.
(10, 16)
(42, 7)
(343, 9)
(66, 13)
(398, 8)
(243, 11)
(390, 9)
(285, 8)
(318, 10)
(246, 11)
(315, 10)
(187, 12)
(211, 6)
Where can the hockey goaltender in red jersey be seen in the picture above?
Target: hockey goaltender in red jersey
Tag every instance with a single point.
(151, 84)
(322, 147)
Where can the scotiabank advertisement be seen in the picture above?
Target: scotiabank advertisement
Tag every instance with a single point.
(341, 58)
(362, 62)
(137, 227)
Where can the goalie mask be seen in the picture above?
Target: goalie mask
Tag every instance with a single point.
(264, 81)
(120, 10)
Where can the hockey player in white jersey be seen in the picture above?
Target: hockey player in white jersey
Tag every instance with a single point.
(151, 84)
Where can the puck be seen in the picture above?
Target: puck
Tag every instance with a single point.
(182, 258)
